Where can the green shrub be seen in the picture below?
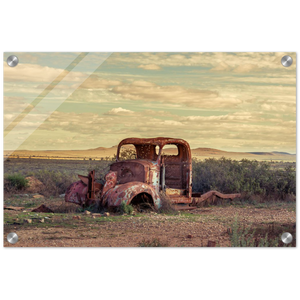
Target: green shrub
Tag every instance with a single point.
(246, 176)
(16, 181)
(125, 209)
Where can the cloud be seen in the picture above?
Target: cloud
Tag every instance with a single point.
(118, 111)
(245, 68)
(222, 66)
(242, 62)
(245, 100)
(150, 67)
(241, 117)
(279, 107)
(35, 73)
(74, 122)
(148, 91)
(143, 83)
(95, 82)
(231, 130)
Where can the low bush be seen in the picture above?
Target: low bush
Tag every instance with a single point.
(15, 181)
(125, 208)
(256, 180)
(55, 182)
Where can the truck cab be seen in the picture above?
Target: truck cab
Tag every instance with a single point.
(155, 164)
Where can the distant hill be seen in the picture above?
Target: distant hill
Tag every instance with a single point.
(98, 149)
(200, 153)
(271, 153)
(285, 153)
(263, 153)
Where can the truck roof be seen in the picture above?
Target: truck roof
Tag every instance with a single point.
(160, 141)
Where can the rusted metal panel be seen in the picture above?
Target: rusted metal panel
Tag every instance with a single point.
(146, 147)
(198, 199)
(126, 192)
(110, 182)
(132, 170)
(84, 192)
(154, 176)
(76, 193)
(175, 192)
(84, 179)
(180, 199)
(91, 185)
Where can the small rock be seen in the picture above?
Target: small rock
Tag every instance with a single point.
(42, 220)
(76, 217)
(87, 212)
(13, 207)
(96, 215)
(189, 236)
(106, 214)
(211, 244)
(62, 196)
(43, 208)
(93, 217)
(28, 221)
(34, 184)
(38, 197)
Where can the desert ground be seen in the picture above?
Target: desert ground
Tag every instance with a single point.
(196, 228)
(68, 225)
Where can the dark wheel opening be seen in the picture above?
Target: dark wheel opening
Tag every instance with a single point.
(143, 202)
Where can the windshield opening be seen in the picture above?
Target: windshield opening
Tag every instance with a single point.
(127, 152)
(139, 151)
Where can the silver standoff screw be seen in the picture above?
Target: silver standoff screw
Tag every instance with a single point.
(286, 61)
(286, 237)
(12, 60)
(12, 237)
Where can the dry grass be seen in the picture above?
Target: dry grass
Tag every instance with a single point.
(63, 207)
(152, 243)
(166, 204)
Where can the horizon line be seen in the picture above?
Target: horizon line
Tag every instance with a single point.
(94, 149)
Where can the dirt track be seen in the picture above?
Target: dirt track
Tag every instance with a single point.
(188, 229)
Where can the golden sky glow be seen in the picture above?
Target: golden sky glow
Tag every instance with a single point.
(229, 101)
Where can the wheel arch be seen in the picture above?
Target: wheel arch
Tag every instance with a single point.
(128, 191)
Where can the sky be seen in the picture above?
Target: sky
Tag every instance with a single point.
(241, 102)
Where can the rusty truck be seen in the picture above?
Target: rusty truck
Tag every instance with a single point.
(144, 178)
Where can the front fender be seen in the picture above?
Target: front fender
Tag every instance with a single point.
(127, 191)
